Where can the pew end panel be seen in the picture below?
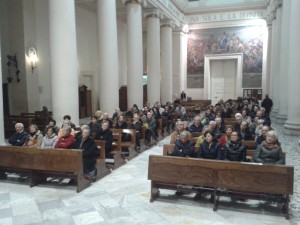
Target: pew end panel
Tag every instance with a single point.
(65, 163)
(101, 167)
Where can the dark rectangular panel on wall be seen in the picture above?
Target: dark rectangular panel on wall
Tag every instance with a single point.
(123, 98)
(144, 94)
(257, 93)
(85, 102)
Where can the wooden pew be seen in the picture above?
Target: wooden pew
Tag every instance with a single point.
(127, 144)
(229, 121)
(224, 178)
(102, 170)
(42, 163)
(118, 159)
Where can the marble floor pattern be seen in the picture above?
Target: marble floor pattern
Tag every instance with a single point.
(123, 196)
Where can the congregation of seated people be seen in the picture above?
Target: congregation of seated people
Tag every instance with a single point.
(208, 136)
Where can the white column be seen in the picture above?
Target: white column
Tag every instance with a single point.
(63, 52)
(284, 68)
(108, 55)
(179, 62)
(134, 53)
(273, 61)
(292, 125)
(153, 56)
(268, 66)
(2, 136)
(166, 62)
(277, 62)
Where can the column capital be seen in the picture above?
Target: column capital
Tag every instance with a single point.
(183, 28)
(142, 2)
(153, 13)
(270, 17)
(168, 23)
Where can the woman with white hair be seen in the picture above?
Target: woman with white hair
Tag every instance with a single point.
(269, 151)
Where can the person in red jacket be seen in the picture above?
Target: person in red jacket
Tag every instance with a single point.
(66, 140)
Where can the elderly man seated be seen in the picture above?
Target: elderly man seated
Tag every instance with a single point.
(18, 138)
(196, 126)
(179, 128)
(183, 147)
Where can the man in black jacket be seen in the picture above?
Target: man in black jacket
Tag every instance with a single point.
(19, 137)
(267, 103)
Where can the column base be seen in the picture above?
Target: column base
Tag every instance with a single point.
(292, 128)
(273, 115)
(280, 119)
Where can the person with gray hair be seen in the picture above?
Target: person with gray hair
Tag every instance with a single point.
(269, 151)
(90, 152)
(183, 147)
(66, 140)
(19, 137)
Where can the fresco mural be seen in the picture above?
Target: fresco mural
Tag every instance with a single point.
(247, 40)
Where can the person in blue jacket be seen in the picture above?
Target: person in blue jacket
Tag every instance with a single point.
(209, 148)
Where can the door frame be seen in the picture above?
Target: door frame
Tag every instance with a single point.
(207, 73)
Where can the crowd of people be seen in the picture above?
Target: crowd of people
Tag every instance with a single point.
(216, 141)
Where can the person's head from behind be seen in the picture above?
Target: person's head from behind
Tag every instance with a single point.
(265, 130)
(271, 137)
(105, 125)
(66, 130)
(183, 137)
(234, 137)
(209, 136)
(19, 127)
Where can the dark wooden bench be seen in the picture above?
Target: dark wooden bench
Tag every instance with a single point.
(229, 121)
(42, 163)
(128, 145)
(118, 159)
(101, 167)
(224, 178)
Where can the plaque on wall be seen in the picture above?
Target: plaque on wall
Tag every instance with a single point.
(195, 81)
(252, 80)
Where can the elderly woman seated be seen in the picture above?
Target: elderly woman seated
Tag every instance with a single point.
(90, 152)
(183, 147)
(179, 128)
(106, 135)
(66, 140)
(269, 151)
(234, 150)
(34, 138)
(50, 139)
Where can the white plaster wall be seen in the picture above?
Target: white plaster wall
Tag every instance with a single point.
(17, 91)
(87, 50)
(32, 78)
(5, 43)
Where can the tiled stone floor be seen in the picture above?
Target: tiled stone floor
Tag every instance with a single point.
(122, 197)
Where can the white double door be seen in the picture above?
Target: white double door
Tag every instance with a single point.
(223, 79)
